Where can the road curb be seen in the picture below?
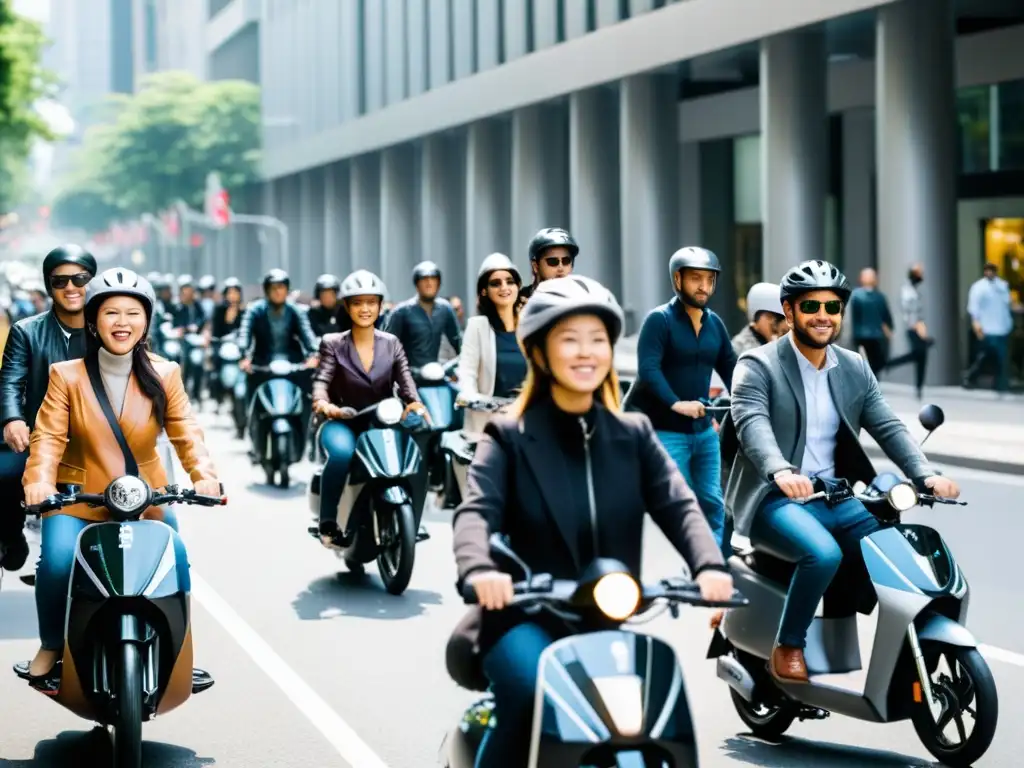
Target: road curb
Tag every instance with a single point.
(954, 460)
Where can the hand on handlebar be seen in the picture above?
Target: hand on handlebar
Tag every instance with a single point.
(208, 487)
(37, 493)
(692, 408)
(419, 408)
(942, 487)
(795, 486)
(245, 364)
(493, 589)
(715, 586)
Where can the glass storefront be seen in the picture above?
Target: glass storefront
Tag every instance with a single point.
(1004, 247)
(991, 127)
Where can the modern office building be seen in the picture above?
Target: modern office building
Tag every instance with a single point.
(771, 131)
(169, 35)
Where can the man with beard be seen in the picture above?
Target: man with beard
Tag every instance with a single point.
(420, 322)
(798, 405)
(32, 346)
(680, 344)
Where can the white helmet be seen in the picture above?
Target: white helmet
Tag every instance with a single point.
(571, 295)
(764, 297)
(362, 283)
(496, 262)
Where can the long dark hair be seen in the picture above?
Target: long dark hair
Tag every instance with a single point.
(486, 307)
(142, 367)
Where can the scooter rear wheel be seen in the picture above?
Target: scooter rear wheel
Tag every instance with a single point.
(128, 716)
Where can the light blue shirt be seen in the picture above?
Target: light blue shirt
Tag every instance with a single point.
(988, 304)
(822, 418)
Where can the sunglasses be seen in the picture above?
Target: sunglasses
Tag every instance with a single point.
(498, 282)
(811, 306)
(61, 281)
(554, 261)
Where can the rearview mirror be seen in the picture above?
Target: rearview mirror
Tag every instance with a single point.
(500, 546)
(931, 417)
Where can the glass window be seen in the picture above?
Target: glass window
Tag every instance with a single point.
(747, 179)
(1011, 125)
(1004, 247)
(972, 106)
(991, 127)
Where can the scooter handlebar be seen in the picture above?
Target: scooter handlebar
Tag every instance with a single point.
(61, 500)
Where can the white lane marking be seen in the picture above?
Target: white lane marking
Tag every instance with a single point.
(338, 733)
(1000, 654)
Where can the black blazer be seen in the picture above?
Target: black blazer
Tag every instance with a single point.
(32, 346)
(254, 332)
(516, 486)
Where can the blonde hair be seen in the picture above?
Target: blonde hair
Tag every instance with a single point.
(538, 383)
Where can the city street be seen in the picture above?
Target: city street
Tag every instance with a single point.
(317, 669)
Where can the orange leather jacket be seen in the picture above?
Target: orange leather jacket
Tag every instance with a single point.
(73, 443)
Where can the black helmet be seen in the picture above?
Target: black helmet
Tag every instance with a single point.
(814, 276)
(693, 258)
(118, 282)
(425, 269)
(326, 282)
(68, 254)
(276, 276)
(552, 237)
(231, 282)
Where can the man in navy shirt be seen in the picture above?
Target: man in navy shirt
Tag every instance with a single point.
(680, 343)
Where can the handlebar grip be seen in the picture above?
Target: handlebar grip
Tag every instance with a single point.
(469, 596)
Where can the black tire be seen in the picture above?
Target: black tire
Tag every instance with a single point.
(400, 523)
(980, 695)
(768, 721)
(268, 468)
(127, 723)
(286, 479)
(239, 415)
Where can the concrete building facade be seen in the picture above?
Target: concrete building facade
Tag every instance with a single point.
(169, 35)
(864, 132)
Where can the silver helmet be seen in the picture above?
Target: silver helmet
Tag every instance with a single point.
(362, 282)
(118, 281)
(563, 296)
(497, 262)
(764, 297)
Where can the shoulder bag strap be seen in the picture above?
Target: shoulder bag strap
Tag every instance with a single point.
(92, 366)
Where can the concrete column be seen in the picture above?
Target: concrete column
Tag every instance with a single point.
(337, 223)
(594, 184)
(312, 263)
(488, 225)
(539, 174)
(364, 205)
(398, 212)
(794, 149)
(689, 193)
(649, 192)
(917, 168)
(442, 217)
(858, 190)
(717, 219)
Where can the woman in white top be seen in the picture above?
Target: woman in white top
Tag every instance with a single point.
(491, 362)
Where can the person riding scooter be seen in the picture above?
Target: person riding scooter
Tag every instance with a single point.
(553, 253)
(357, 369)
(117, 376)
(568, 479)
(323, 314)
(225, 320)
(420, 322)
(798, 405)
(767, 322)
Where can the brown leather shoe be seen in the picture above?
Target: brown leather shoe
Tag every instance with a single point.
(716, 619)
(787, 665)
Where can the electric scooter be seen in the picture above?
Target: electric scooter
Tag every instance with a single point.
(277, 424)
(386, 483)
(231, 380)
(458, 448)
(924, 664)
(128, 639)
(434, 384)
(605, 696)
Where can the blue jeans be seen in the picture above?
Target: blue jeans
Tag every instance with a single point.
(815, 538)
(699, 457)
(996, 349)
(512, 667)
(339, 444)
(59, 535)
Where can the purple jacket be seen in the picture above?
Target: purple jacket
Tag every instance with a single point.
(342, 380)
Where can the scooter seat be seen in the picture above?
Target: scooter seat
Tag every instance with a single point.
(771, 567)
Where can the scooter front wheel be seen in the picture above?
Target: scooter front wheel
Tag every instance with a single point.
(964, 685)
(128, 716)
(397, 547)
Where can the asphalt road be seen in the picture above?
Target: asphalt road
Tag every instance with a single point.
(312, 666)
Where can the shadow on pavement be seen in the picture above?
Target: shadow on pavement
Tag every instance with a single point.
(296, 489)
(93, 747)
(18, 614)
(350, 594)
(802, 752)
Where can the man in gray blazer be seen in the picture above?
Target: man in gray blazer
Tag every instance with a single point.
(798, 405)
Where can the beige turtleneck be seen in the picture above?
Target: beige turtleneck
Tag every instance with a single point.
(115, 371)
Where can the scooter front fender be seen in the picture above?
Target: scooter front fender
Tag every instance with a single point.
(936, 628)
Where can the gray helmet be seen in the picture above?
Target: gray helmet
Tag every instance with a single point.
(68, 254)
(118, 281)
(552, 237)
(276, 276)
(814, 276)
(692, 257)
(763, 297)
(425, 269)
(185, 281)
(231, 282)
(362, 283)
(494, 263)
(326, 282)
(207, 283)
(563, 296)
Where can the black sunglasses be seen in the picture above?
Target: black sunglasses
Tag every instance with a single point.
(554, 261)
(811, 306)
(498, 282)
(61, 281)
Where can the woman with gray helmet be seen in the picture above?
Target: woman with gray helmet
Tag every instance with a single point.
(567, 478)
(491, 363)
(66, 447)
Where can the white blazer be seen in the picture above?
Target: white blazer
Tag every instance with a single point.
(477, 367)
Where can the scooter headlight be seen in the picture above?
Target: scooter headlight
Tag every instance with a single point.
(230, 352)
(280, 367)
(390, 411)
(126, 496)
(617, 595)
(172, 348)
(432, 372)
(902, 497)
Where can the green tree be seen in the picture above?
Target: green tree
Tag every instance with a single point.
(163, 141)
(22, 83)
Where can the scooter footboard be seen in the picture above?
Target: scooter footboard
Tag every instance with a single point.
(610, 692)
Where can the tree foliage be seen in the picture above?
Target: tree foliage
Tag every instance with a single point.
(159, 146)
(23, 82)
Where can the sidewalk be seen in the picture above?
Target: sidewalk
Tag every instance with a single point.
(982, 430)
